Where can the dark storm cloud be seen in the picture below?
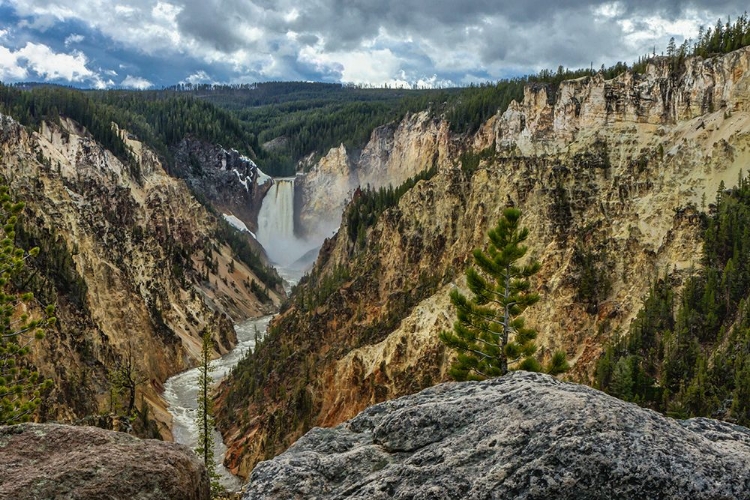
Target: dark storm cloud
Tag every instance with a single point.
(354, 40)
(210, 22)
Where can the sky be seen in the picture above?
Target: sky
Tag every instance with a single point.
(144, 44)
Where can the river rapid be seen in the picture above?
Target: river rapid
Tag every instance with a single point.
(181, 390)
(181, 394)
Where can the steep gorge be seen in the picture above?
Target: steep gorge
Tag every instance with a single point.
(133, 262)
(610, 172)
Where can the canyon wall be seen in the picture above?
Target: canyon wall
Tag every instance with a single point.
(613, 173)
(394, 153)
(132, 262)
(230, 182)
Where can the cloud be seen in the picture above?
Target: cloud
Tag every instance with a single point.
(10, 70)
(198, 77)
(411, 41)
(136, 82)
(54, 66)
(39, 61)
(73, 39)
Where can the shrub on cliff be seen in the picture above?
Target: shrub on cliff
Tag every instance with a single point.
(20, 384)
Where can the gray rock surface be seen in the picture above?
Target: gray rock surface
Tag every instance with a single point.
(51, 461)
(228, 181)
(522, 436)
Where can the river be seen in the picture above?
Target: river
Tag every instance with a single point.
(181, 390)
(292, 257)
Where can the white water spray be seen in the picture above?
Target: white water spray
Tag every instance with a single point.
(276, 224)
(276, 216)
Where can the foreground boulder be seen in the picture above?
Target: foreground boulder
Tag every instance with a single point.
(522, 436)
(53, 461)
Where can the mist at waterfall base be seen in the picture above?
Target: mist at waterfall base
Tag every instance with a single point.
(181, 393)
(276, 230)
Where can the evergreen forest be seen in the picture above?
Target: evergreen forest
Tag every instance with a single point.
(688, 351)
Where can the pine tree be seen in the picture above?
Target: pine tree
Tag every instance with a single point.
(622, 379)
(490, 333)
(741, 394)
(206, 422)
(21, 386)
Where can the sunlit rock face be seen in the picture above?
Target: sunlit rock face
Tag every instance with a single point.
(548, 123)
(127, 249)
(395, 152)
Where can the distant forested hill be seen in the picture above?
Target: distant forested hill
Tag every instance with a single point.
(279, 123)
(296, 119)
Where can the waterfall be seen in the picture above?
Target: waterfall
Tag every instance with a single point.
(276, 223)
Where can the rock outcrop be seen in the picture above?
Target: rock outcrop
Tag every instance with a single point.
(394, 153)
(524, 436)
(230, 182)
(61, 462)
(546, 123)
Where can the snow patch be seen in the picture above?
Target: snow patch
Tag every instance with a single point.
(248, 160)
(242, 179)
(237, 223)
(262, 177)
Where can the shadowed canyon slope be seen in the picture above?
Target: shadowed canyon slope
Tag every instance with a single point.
(611, 172)
(132, 260)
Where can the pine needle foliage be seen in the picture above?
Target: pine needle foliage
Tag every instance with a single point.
(21, 386)
(206, 423)
(490, 333)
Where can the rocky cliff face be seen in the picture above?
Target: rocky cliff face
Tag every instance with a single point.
(230, 182)
(610, 175)
(525, 436)
(86, 463)
(130, 258)
(545, 123)
(394, 153)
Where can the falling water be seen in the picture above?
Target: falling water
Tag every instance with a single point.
(276, 223)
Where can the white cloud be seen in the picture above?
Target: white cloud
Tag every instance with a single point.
(124, 10)
(377, 67)
(9, 67)
(198, 77)
(136, 82)
(38, 61)
(74, 38)
(138, 24)
(55, 66)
